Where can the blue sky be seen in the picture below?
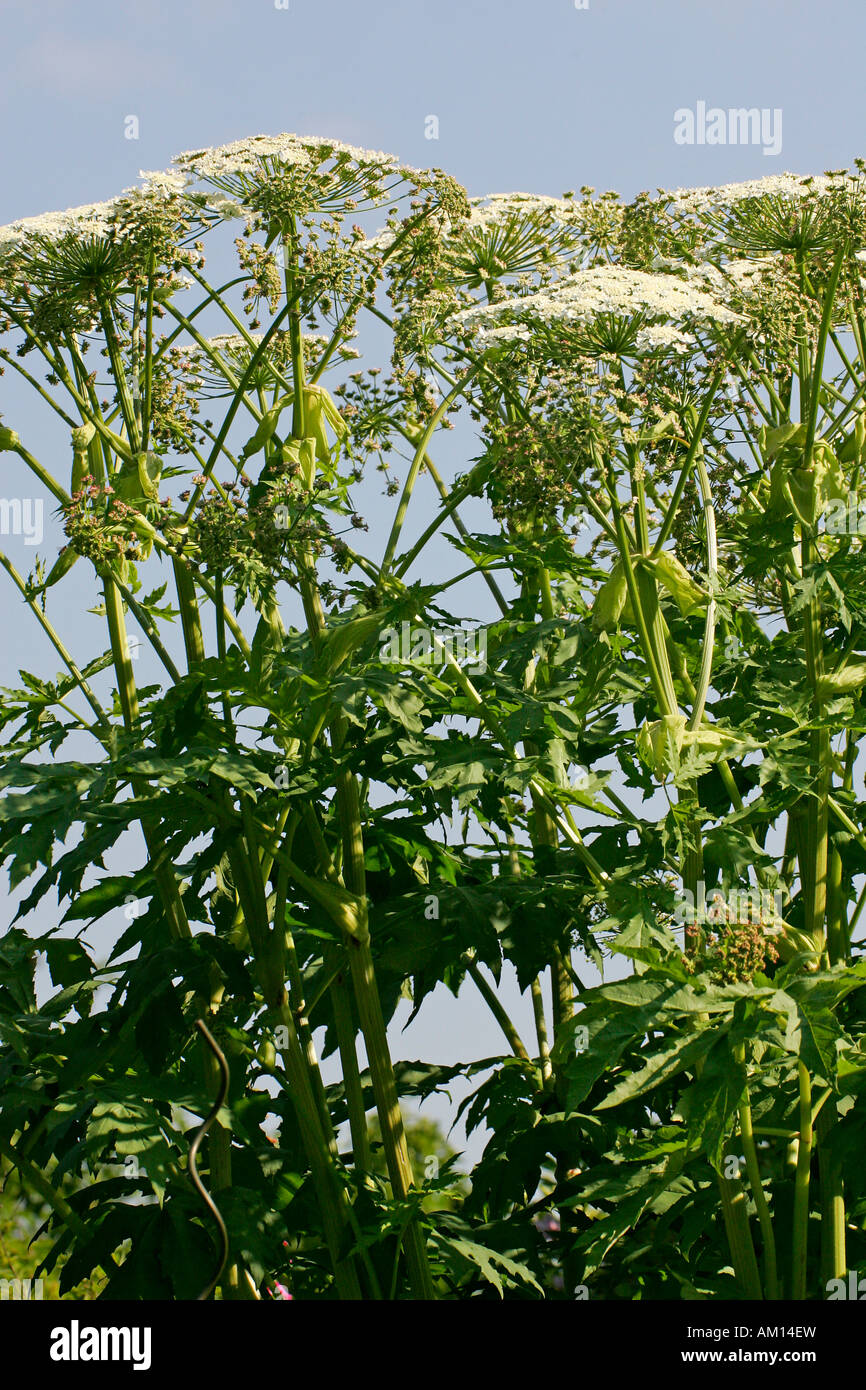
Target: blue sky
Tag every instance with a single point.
(531, 94)
(536, 95)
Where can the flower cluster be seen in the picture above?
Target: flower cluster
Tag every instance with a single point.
(214, 530)
(283, 177)
(174, 401)
(99, 525)
(374, 407)
(227, 357)
(529, 477)
(84, 251)
(502, 236)
(728, 195)
(736, 951)
(767, 290)
(264, 275)
(258, 532)
(89, 220)
(603, 290)
(333, 274)
(245, 158)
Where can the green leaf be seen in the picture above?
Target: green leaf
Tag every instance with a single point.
(68, 961)
(491, 1264)
(132, 1127)
(819, 1033)
(710, 1104)
(674, 1058)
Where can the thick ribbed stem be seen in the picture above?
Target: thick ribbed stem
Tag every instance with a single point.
(834, 1258)
(388, 1105)
(771, 1280)
(332, 1195)
(800, 1222)
(740, 1244)
(344, 1023)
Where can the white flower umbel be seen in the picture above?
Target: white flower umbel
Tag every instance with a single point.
(283, 177)
(113, 218)
(496, 207)
(92, 219)
(663, 335)
(244, 156)
(582, 297)
(236, 345)
(496, 210)
(163, 182)
(707, 199)
(507, 333)
(249, 155)
(736, 277)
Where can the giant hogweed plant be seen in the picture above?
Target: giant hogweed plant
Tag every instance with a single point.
(668, 409)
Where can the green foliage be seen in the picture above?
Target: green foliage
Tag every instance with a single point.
(328, 801)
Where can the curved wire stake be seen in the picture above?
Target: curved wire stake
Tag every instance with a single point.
(193, 1151)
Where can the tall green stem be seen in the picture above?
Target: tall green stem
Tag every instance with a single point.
(332, 1196)
(771, 1281)
(800, 1222)
(357, 945)
(736, 1219)
(834, 1258)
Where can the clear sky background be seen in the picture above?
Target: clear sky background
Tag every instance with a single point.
(530, 94)
(536, 96)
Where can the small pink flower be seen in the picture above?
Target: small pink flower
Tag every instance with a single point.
(280, 1291)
